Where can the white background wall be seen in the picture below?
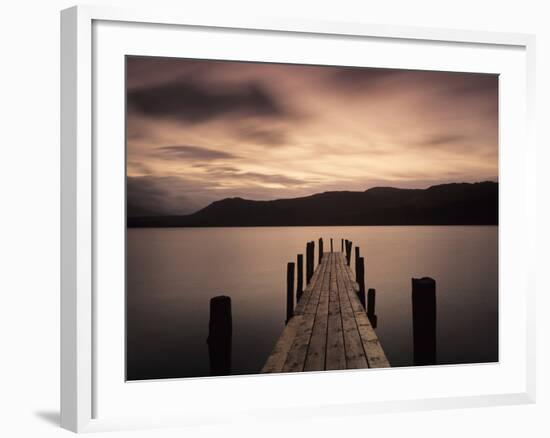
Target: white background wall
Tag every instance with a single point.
(29, 215)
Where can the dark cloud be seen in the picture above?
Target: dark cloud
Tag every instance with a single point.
(353, 78)
(465, 84)
(191, 99)
(452, 84)
(151, 196)
(189, 152)
(164, 196)
(445, 139)
(270, 137)
(145, 71)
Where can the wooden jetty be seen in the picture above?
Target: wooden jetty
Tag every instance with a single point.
(328, 329)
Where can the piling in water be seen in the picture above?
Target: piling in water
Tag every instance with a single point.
(299, 276)
(356, 263)
(371, 304)
(219, 336)
(310, 254)
(289, 291)
(361, 280)
(349, 245)
(424, 320)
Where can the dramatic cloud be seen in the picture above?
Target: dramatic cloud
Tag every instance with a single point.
(199, 131)
(263, 136)
(191, 153)
(353, 79)
(445, 139)
(153, 196)
(192, 100)
(251, 177)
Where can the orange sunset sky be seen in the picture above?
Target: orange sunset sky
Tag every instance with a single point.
(199, 131)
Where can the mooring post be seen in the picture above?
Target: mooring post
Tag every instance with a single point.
(371, 302)
(299, 276)
(289, 290)
(348, 251)
(320, 249)
(346, 244)
(361, 280)
(310, 251)
(312, 267)
(371, 312)
(331, 250)
(357, 264)
(424, 320)
(308, 261)
(312, 264)
(219, 336)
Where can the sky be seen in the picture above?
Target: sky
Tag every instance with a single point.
(198, 131)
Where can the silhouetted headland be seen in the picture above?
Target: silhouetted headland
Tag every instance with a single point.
(445, 204)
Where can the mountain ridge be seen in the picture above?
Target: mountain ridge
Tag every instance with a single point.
(443, 204)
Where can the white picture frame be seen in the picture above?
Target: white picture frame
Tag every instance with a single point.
(82, 374)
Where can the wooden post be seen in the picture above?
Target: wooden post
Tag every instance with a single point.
(219, 336)
(331, 249)
(424, 320)
(312, 267)
(299, 277)
(309, 261)
(371, 302)
(320, 250)
(357, 264)
(371, 311)
(346, 244)
(348, 251)
(360, 274)
(289, 290)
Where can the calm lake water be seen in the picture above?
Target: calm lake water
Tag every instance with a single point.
(173, 273)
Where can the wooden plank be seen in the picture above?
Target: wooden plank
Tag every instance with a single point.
(296, 356)
(355, 354)
(351, 286)
(330, 329)
(371, 344)
(311, 306)
(336, 355)
(316, 352)
(301, 305)
(374, 352)
(277, 358)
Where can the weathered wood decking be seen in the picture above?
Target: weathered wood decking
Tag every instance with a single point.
(329, 329)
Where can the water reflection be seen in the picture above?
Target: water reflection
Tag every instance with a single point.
(172, 274)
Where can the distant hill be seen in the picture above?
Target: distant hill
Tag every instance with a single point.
(446, 204)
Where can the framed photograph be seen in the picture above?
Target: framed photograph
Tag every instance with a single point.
(254, 208)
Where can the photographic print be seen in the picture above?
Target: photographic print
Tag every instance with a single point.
(295, 218)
